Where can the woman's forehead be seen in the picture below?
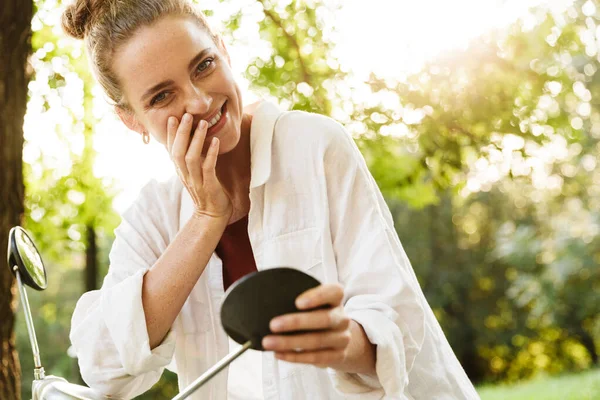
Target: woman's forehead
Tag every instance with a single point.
(159, 50)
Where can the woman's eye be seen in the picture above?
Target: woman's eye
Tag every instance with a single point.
(204, 65)
(158, 98)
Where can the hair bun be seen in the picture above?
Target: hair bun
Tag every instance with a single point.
(78, 17)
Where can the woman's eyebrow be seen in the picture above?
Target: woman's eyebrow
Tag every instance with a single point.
(198, 57)
(156, 88)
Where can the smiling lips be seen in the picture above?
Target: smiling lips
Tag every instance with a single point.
(215, 119)
(216, 123)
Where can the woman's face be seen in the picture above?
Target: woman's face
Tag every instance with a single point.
(171, 68)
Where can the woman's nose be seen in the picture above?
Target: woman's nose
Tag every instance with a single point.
(198, 102)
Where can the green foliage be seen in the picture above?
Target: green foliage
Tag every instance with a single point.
(511, 117)
(300, 69)
(61, 204)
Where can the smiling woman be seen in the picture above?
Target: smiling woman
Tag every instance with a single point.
(254, 190)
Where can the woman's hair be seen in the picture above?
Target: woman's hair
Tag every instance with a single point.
(105, 25)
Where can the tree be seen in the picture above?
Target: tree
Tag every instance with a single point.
(15, 47)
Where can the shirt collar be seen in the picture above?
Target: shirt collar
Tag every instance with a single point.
(264, 118)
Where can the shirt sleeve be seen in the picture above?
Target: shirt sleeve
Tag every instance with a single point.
(381, 290)
(108, 327)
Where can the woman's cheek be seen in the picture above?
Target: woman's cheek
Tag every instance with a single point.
(160, 128)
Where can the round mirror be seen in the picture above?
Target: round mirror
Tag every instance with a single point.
(23, 253)
(253, 301)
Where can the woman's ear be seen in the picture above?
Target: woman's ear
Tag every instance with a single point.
(129, 119)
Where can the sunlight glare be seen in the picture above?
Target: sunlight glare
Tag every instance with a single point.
(395, 37)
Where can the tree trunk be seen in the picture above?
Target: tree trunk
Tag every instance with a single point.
(15, 47)
(91, 260)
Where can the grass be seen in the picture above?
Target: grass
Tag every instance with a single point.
(581, 386)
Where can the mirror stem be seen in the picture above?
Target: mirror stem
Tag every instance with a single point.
(38, 372)
(213, 371)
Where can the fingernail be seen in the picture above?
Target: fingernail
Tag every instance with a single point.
(213, 142)
(187, 117)
(268, 342)
(276, 325)
(302, 302)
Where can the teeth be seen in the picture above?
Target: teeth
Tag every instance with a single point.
(216, 119)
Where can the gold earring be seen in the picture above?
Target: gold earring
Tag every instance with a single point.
(146, 137)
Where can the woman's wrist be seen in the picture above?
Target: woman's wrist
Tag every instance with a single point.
(203, 220)
(361, 354)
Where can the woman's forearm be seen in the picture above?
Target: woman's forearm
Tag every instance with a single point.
(170, 281)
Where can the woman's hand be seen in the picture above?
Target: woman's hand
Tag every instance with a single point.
(197, 172)
(326, 342)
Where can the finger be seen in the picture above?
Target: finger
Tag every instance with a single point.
(210, 163)
(326, 294)
(193, 157)
(308, 341)
(318, 358)
(171, 131)
(181, 144)
(333, 318)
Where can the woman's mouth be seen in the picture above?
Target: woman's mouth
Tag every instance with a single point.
(215, 119)
(217, 122)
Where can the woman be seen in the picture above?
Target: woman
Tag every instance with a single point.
(252, 191)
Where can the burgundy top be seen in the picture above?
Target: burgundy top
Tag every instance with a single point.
(236, 253)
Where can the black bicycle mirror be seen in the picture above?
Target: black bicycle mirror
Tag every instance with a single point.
(23, 254)
(253, 301)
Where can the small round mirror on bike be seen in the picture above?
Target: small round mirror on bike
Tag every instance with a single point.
(23, 254)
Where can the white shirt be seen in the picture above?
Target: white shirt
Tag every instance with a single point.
(245, 375)
(315, 207)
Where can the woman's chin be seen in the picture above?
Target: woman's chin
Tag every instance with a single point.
(228, 141)
(227, 145)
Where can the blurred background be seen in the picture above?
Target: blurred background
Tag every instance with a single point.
(479, 119)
